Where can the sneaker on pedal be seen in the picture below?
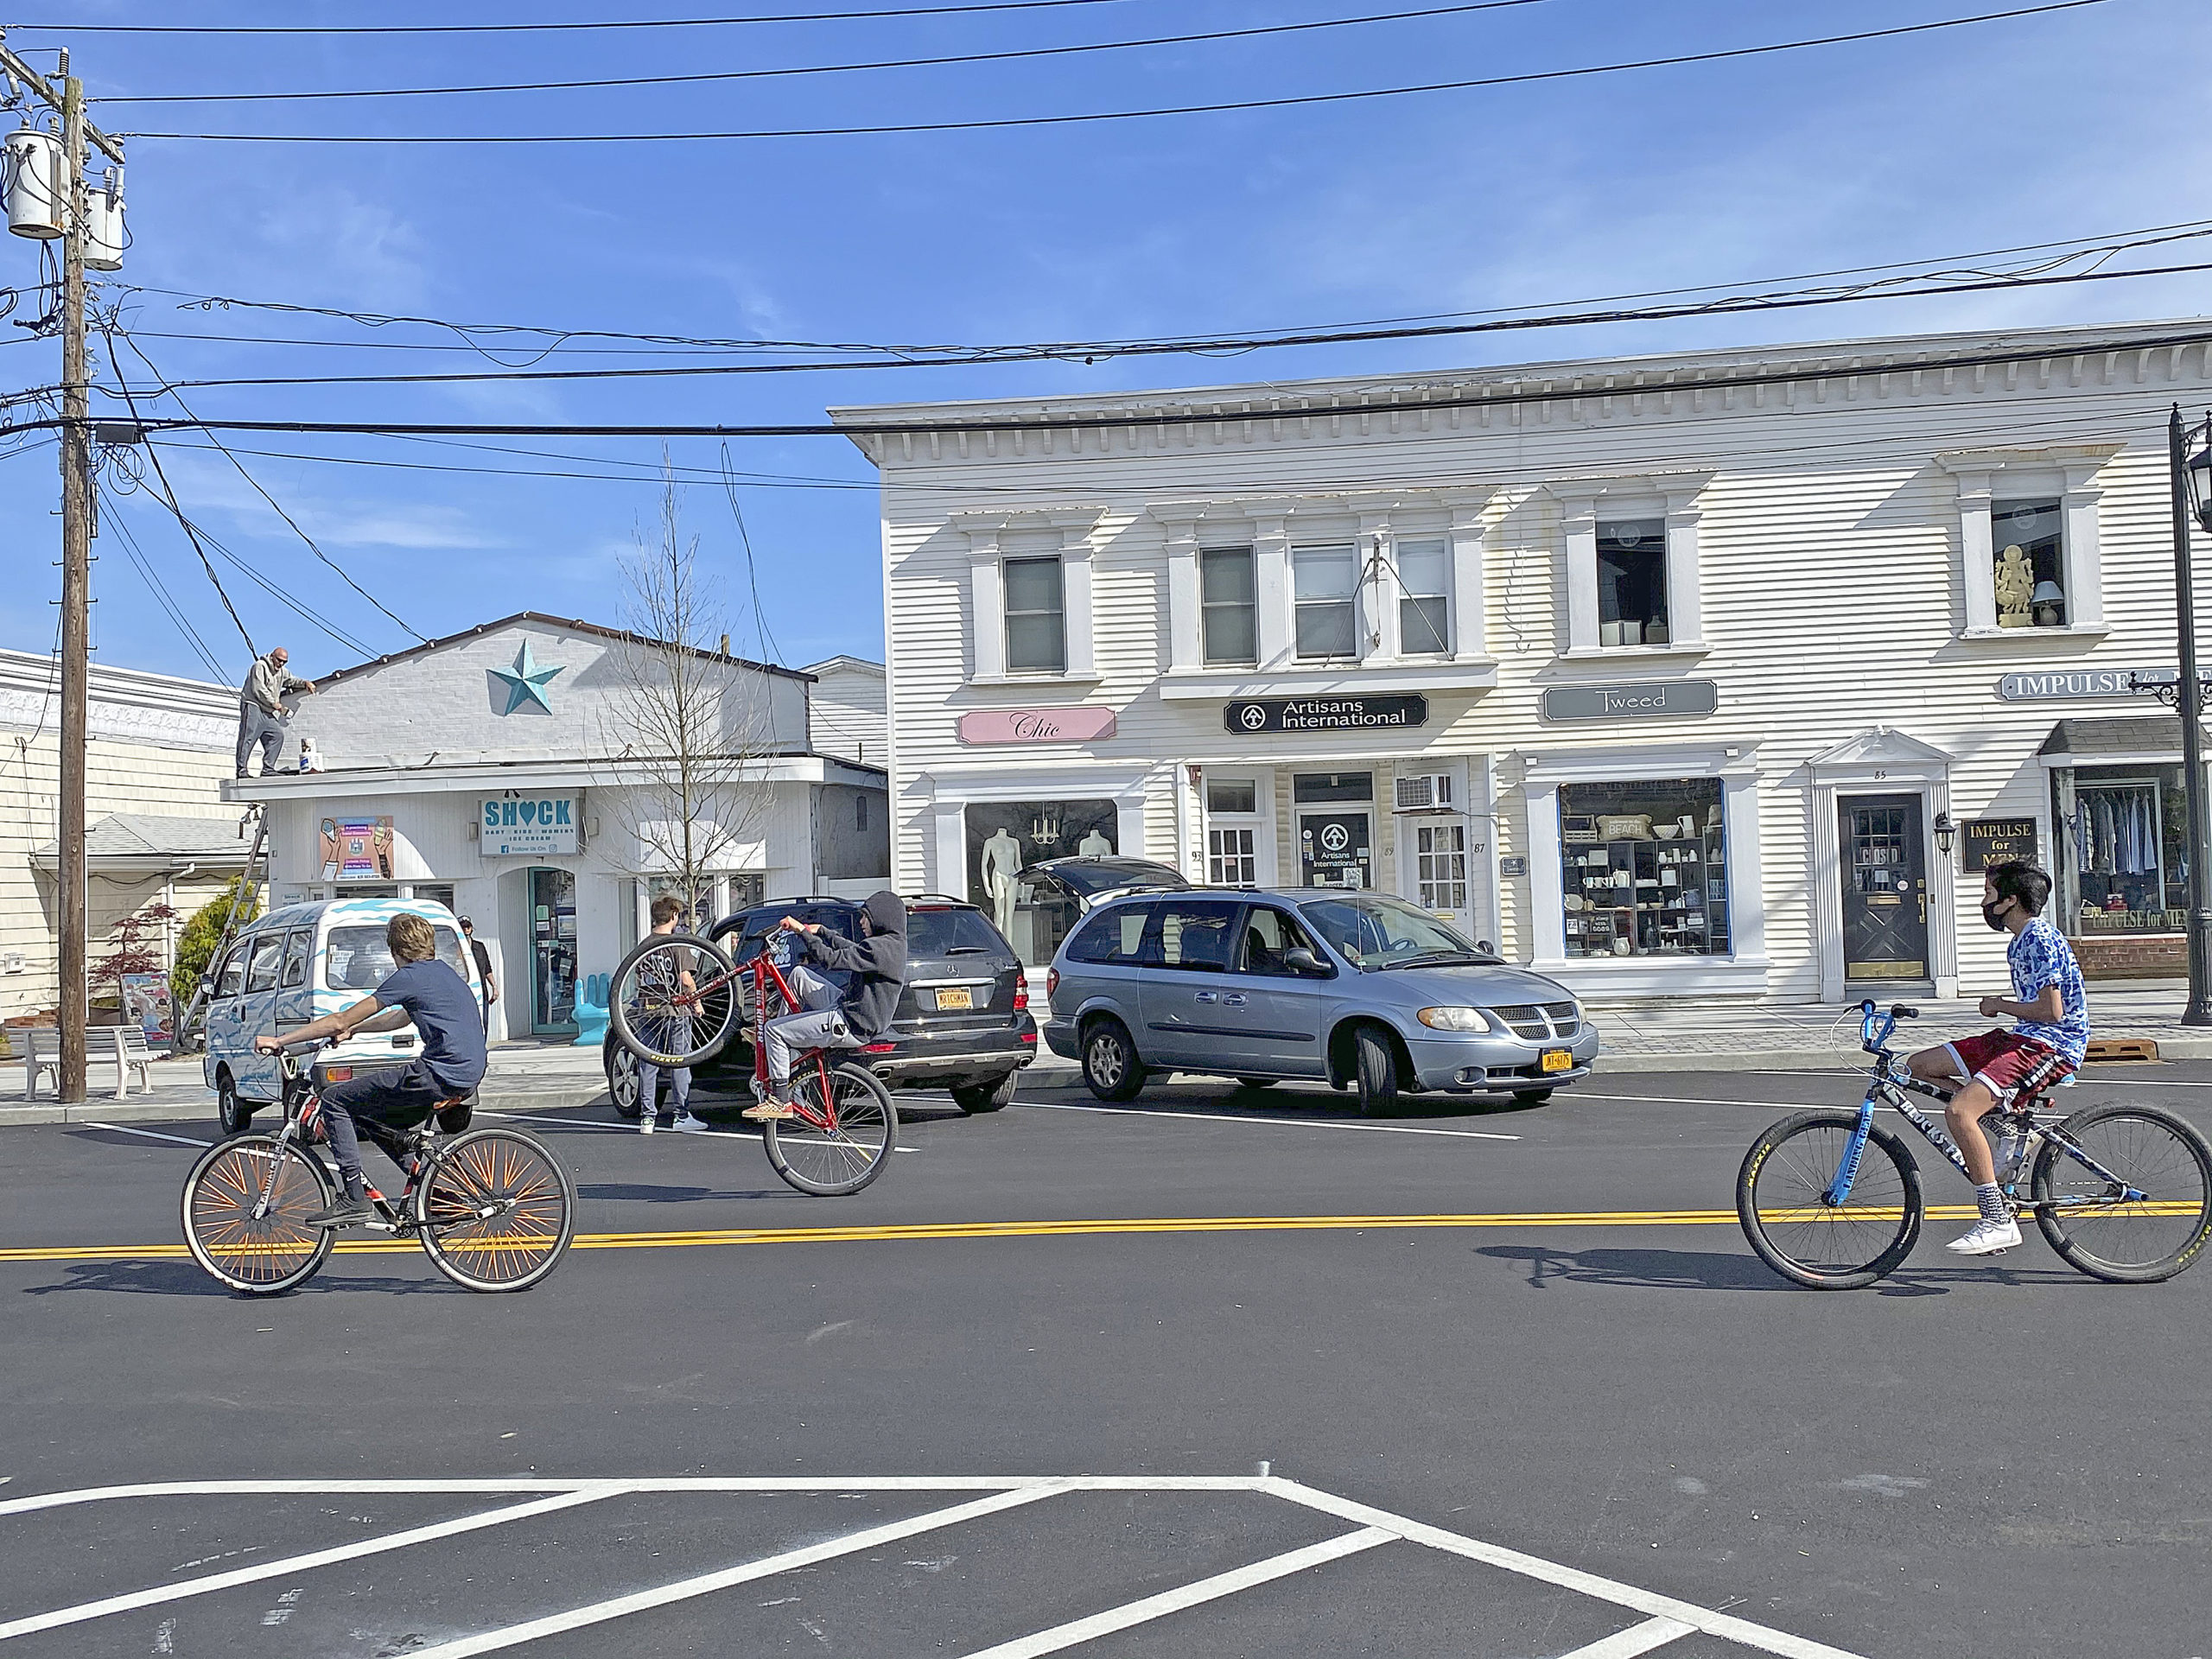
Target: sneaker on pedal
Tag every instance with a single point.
(1985, 1238)
(770, 1107)
(687, 1124)
(347, 1212)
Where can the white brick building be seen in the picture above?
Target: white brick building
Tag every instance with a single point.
(1672, 674)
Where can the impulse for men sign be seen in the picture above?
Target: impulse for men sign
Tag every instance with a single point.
(2053, 685)
(527, 826)
(1676, 698)
(1256, 714)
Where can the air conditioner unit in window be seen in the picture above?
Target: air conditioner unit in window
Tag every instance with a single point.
(1426, 792)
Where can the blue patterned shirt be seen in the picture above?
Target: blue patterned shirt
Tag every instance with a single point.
(2039, 957)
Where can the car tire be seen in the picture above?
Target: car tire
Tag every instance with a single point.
(1111, 1070)
(1531, 1096)
(989, 1096)
(1375, 1067)
(233, 1115)
(621, 1079)
(1257, 1083)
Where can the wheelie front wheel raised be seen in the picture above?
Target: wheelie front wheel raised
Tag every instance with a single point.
(674, 1001)
(837, 1144)
(2090, 1220)
(261, 1254)
(1782, 1200)
(495, 1210)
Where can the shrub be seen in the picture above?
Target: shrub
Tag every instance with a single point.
(196, 949)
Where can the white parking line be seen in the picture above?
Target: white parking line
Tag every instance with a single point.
(1190, 1595)
(151, 1135)
(1266, 1123)
(1637, 1638)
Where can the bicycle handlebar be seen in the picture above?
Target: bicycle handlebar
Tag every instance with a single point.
(1874, 1027)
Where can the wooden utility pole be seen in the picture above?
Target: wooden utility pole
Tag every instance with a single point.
(76, 556)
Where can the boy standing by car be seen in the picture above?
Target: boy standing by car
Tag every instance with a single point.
(667, 910)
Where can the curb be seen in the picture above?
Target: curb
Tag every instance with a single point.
(176, 1111)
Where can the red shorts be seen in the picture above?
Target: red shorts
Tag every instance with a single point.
(2009, 1064)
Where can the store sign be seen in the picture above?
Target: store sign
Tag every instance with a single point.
(356, 849)
(2060, 686)
(1036, 725)
(527, 826)
(1259, 714)
(1675, 697)
(1997, 841)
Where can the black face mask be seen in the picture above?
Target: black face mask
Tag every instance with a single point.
(1994, 915)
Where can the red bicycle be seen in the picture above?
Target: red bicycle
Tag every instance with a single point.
(678, 1000)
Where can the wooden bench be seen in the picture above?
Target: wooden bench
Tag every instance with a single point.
(125, 1047)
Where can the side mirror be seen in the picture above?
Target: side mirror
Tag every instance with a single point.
(206, 986)
(1485, 947)
(1300, 960)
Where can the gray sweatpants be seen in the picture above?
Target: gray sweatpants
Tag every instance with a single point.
(823, 1024)
(257, 727)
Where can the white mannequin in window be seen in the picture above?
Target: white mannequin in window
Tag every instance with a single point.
(1095, 845)
(1002, 863)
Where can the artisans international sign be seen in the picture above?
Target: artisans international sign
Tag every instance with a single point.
(2058, 686)
(526, 826)
(1254, 715)
(1677, 698)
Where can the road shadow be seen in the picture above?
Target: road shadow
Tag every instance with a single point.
(1650, 1269)
(649, 1192)
(186, 1279)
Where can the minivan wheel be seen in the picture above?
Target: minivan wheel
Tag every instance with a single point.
(1255, 1083)
(1378, 1072)
(1110, 1068)
(1531, 1096)
(233, 1115)
(989, 1095)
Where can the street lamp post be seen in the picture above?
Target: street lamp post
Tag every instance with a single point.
(2191, 484)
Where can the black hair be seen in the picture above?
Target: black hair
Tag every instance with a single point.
(2023, 881)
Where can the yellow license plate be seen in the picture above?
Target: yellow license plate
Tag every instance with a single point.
(955, 996)
(1557, 1060)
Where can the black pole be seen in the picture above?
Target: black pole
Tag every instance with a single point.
(2191, 704)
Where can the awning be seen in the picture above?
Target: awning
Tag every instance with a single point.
(2093, 742)
(155, 844)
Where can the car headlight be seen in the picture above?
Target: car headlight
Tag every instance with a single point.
(1453, 1019)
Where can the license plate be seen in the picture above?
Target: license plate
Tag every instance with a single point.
(955, 996)
(1558, 1060)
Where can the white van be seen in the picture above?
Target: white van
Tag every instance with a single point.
(297, 964)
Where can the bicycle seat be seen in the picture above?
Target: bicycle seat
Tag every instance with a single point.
(454, 1115)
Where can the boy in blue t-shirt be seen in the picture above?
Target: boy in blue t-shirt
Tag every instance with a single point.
(1999, 1068)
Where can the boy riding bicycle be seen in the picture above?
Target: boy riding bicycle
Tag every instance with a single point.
(877, 963)
(1999, 1068)
(450, 1063)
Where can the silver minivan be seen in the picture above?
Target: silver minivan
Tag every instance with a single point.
(297, 964)
(1356, 988)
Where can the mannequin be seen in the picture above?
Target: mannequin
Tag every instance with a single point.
(2015, 583)
(1002, 863)
(1095, 845)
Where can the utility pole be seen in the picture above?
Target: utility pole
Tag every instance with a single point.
(76, 553)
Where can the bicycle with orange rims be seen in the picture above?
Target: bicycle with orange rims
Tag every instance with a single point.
(492, 1208)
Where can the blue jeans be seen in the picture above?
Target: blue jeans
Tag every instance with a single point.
(680, 1076)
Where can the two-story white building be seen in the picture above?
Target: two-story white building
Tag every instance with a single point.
(1721, 673)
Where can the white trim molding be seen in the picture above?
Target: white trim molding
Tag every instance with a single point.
(1743, 972)
(2068, 473)
(1065, 534)
(1584, 503)
(1882, 761)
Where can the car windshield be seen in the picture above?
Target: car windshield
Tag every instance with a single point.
(1370, 930)
(1085, 876)
(952, 932)
(360, 960)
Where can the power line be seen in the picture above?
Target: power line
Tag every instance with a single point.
(1094, 116)
(162, 594)
(940, 61)
(550, 28)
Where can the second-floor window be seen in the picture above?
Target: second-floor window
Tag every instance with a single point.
(1325, 580)
(1633, 582)
(1228, 605)
(1425, 599)
(2027, 543)
(1036, 617)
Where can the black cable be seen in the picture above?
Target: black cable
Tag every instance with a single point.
(769, 648)
(548, 28)
(313, 547)
(942, 61)
(162, 594)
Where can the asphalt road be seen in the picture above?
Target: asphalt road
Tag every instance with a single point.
(721, 1443)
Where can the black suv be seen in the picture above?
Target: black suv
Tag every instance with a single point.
(963, 1021)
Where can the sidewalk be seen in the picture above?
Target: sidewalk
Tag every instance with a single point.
(1639, 1037)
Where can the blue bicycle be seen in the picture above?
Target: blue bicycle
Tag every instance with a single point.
(1832, 1200)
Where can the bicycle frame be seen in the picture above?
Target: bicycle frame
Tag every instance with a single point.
(1889, 1086)
(765, 973)
(302, 1102)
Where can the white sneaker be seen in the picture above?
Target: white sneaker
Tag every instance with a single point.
(687, 1124)
(646, 1122)
(1985, 1238)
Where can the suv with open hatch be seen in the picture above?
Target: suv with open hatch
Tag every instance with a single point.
(1355, 988)
(962, 1023)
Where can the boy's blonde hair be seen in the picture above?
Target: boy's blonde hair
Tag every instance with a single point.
(410, 938)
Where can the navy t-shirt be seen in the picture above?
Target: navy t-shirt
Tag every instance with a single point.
(447, 1018)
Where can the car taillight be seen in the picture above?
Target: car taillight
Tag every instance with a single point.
(1021, 990)
(878, 1048)
(337, 1074)
(1052, 983)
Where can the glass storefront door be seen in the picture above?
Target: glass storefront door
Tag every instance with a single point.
(552, 953)
(1335, 849)
(1885, 888)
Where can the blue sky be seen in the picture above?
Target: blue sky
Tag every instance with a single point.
(2069, 125)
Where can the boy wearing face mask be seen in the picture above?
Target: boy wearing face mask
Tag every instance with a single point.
(2043, 1049)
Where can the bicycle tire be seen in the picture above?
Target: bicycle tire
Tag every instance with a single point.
(657, 1021)
(830, 1163)
(532, 1201)
(276, 1254)
(2160, 1154)
(1779, 1200)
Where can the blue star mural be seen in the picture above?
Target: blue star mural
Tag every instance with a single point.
(525, 681)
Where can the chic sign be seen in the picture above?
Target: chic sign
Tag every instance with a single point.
(1631, 701)
(1036, 725)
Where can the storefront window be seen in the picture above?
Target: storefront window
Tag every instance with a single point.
(2028, 554)
(1644, 868)
(2123, 848)
(1006, 838)
(1633, 582)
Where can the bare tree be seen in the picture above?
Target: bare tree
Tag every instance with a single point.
(688, 725)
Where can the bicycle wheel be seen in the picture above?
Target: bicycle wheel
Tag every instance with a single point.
(1782, 1200)
(661, 1021)
(495, 1210)
(2089, 1221)
(268, 1255)
(839, 1146)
